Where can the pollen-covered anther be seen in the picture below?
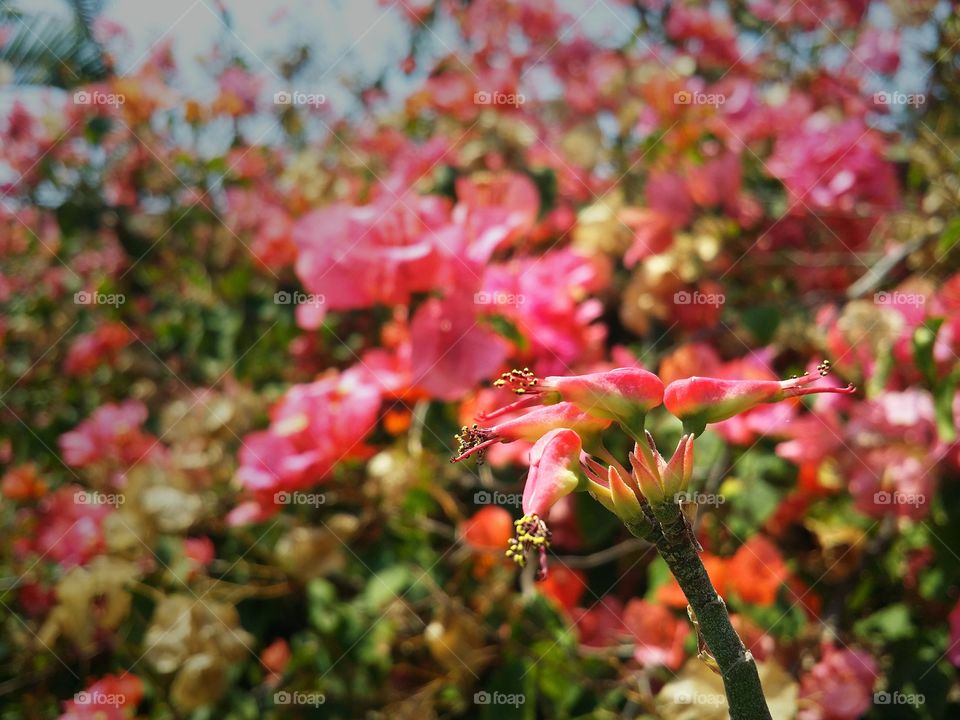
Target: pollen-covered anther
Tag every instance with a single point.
(469, 439)
(531, 533)
(824, 368)
(520, 381)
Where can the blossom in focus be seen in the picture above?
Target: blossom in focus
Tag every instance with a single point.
(554, 460)
(530, 426)
(624, 395)
(699, 401)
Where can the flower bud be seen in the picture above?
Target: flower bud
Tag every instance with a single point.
(625, 501)
(530, 426)
(624, 395)
(698, 401)
(554, 460)
(658, 480)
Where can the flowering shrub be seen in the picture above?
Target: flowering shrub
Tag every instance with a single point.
(681, 280)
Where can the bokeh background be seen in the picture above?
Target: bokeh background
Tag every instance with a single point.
(260, 262)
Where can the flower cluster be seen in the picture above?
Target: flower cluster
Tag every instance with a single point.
(565, 416)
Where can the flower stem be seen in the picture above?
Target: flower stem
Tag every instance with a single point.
(737, 666)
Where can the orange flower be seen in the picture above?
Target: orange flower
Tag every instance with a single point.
(23, 483)
(564, 586)
(488, 529)
(757, 571)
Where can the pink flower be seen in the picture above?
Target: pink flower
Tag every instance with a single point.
(313, 427)
(111, 434)
(530, 426)
(495, 211)
(658, 633)
(450, 351)
(837, 167)
(699, 401)
(69, 530)
(601, 625)
(547, 299)
(90, 350)
(953, 650)
(878, 50)
(112, 697)
(623, 394)
(554, 460)
(357, 257)
(839, 687)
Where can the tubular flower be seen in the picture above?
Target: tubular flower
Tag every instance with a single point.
(624, 395)
(530, 426)
(553, 462)
(699, 400)
(658, 479)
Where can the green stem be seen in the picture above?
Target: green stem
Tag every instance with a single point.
(737, 666)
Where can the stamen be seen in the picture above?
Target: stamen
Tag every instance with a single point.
(524, 402)
(520, 381)
(531, 534)
(473, 441)
(798, 391)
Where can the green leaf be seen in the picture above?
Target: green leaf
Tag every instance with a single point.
(943, 397)
(890, 624)
(924, 338)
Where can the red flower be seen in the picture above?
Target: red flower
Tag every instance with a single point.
(756, 571)
(530, 426)
(699, 400)
(623, 394)
(488, 529)
(659, 634)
